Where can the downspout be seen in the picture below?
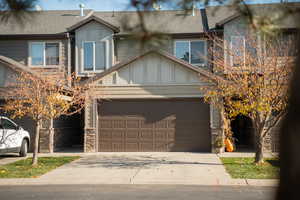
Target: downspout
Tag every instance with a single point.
(204, 20)
(69, 59)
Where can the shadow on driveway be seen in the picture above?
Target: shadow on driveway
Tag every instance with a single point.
(131, 162)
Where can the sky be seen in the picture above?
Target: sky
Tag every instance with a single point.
(104, 5)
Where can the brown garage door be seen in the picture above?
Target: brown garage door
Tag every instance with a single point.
(154, 125)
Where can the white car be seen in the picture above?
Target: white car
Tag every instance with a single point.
(13, 138)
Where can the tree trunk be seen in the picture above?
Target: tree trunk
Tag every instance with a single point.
(259, 156)
(51, 140)
(36, 144)
(51, 137)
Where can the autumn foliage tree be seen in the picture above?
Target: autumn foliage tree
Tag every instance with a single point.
(42, 98)
(256, 71)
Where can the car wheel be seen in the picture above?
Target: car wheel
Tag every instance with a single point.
(24, 148)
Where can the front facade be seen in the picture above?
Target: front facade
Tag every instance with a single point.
(142, 97)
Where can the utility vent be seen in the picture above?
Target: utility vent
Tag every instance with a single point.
(156, 6)
(81, 6)
(38, 8)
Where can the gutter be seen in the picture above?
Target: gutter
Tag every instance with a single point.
(34, 36)
(69, 59)
(204, 20)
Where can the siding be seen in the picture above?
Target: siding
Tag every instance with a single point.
(15, 49)
(19, 51)
(6, 75)
(152, 76)
(127, 48)
(153, 69)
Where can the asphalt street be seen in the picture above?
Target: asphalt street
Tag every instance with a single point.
(134, 192)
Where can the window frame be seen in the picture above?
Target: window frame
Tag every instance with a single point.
(94, 57)
(44, 53)
(190, 50)
(290, 34)
(244, 49)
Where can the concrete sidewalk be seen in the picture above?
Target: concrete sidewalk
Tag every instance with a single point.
(140, 168)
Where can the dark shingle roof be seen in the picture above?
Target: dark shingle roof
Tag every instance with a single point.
(168, 21)
(56, 22)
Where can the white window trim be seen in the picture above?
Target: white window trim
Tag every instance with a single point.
(44, 62)
(190, 54)
(94, 58)
(82, 57)
(244, 48)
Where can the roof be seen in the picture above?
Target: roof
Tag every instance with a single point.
(44, 22)
(164, 54)
(271, 11)
(93, 18)
(15, 65)
(167, 21)
(19, 67)
(59, 21)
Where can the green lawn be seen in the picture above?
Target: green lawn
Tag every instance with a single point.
(245, 168)
(23, 168)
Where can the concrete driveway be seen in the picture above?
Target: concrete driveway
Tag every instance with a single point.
(142, 168)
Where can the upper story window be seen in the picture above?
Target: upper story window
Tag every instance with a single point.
(194, 51)
(94, 56)
(237, 51)
(88, 56)
(44, 53)
(281, 45)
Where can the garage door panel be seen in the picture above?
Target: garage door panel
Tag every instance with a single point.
(117, 135)
(118, 123)
(146, 135)
(133, 123)
(146, 124)
(105, 146)
(154, 125)
(146, 146)
(161, 147)
(105, 134)
(131, 135)
(131, 147)
(105, 123)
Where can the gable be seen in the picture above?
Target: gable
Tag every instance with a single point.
(94, 19)
(152, 69)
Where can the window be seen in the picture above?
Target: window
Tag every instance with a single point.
(193, 52)
(237, 51)
(44, 53)
(281, 45)
(6, 124)
(94, 56)
(52, 53)
(88, 56)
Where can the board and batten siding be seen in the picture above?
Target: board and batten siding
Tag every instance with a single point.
(127, 48)
(103, 38)
(152, 76)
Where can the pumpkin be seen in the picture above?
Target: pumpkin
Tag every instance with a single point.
(229, 145)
